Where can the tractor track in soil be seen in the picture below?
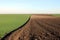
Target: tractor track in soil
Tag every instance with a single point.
(38, 27)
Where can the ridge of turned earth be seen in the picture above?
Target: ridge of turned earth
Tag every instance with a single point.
(39, 27)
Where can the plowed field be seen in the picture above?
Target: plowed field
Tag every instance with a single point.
(39, 27)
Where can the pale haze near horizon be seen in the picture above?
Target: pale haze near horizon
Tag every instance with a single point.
(29, 6)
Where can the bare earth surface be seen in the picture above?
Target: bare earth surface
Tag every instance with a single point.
(39, 27)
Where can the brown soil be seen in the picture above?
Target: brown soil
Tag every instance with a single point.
(39, 27)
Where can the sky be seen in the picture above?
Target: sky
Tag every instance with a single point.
(29, 6)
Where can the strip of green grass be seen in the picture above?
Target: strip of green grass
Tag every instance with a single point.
(58, 15)
(9, 22)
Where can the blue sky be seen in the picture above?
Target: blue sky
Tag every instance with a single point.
(29, 6)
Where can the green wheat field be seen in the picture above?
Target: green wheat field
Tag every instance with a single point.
(9, 22)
